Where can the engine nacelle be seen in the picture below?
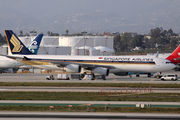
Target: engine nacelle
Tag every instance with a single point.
(73, 68)
(121, 73)
(101, 71)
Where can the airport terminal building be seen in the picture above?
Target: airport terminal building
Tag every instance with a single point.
(70, 45)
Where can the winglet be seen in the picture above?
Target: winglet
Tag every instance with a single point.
(15, 45)
(174, 57)
(157, 54)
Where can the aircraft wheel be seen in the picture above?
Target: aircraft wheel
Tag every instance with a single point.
(103, 77)
(82, 76)
(93, 77)
(149, 74)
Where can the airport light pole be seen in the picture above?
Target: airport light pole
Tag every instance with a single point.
(32, 33)
(84, 32)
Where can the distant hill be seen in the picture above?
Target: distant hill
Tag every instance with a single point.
(91, 15)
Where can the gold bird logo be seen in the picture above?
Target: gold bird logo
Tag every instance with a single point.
(17, 45)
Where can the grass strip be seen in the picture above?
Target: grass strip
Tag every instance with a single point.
(90, 109)
(90, 96)
(132, 85)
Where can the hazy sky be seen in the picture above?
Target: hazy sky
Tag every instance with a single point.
(91, 15)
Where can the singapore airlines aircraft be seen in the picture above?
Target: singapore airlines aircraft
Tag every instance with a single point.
(10, 63)
(98, 65)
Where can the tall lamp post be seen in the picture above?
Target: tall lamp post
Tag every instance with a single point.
(33, 33)
(84, 33)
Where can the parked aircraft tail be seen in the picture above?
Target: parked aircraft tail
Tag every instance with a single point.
(175, 56)
(17, 47)
(34, 45)
(157, 54)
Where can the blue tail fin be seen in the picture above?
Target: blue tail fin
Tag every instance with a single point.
(15, 45)
(157, 54)
(34, 45)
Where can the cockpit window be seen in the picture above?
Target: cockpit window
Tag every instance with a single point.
(169, 62)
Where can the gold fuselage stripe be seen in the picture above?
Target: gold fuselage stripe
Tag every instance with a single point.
(47, 62)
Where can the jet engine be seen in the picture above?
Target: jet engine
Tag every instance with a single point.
(121, 73)
(73, 68)
(101, 71)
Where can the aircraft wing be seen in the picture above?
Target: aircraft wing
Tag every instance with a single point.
(84, 65)
(11, 56)
(19, 58)
(3, 55)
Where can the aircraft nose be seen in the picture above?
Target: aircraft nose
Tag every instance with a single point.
(173, 66)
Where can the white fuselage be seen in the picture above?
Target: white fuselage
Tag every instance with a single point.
(120, 63)
(9, 63)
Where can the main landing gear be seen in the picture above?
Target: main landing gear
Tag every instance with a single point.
(91, 76)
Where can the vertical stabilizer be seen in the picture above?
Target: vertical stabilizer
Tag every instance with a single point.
(34, 45)
(15, 45)
(157, 54)
(175, 56)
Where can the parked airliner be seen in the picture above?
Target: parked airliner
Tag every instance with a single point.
(10, 63)
(98, 65)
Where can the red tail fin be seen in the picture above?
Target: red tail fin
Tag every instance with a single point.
(175, 56)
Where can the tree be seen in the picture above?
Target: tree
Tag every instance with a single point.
(2, 40)
(126, 39)
(27, 34)
(160, 36)
(173, 43)
(67, 31)
(117, 42)
(170, 32)
(21, 33)
(137, 41)
(156, 33)
(48, 32)
(148, 43)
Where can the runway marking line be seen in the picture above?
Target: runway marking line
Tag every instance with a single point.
(3, 89)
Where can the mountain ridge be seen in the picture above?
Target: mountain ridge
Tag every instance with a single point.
(93, 16)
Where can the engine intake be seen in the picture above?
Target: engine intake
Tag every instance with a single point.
(101, 71)
(73, 68)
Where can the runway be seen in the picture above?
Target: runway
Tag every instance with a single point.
(110, 79)
(87, 116)
(93, 103)
(88, 89)
(30, 77)
(21, 115)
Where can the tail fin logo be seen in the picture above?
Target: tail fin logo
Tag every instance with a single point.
(17, 45)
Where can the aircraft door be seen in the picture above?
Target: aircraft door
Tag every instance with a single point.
(157, 64)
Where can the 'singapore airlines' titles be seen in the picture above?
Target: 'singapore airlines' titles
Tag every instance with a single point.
(127, 59)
